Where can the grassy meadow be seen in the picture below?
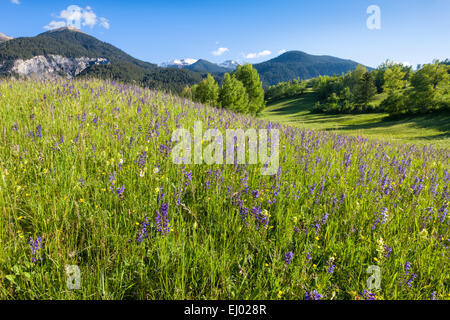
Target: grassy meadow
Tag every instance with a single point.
(419, 130)
(87, 180)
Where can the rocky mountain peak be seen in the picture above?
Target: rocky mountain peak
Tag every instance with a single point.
(4, 37)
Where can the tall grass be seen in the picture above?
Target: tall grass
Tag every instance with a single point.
(85, 166)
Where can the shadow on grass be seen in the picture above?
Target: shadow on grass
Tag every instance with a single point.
(300, 110)
(436, 137)
(439, 122)
(291, 106)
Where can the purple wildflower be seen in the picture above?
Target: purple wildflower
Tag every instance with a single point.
(367, 295)
(142, 235)
(142, 158)
(348, 159)
(387, 251)
(331, 268)
(408, 275)
(443, 212)
(381, 218)
(120, 192)
(36, 247)
(39, 131)
(161, 218)
(260, 216)
(417, 187)
(407, 267)
(112, 181)
(313, 295)
(288, 257)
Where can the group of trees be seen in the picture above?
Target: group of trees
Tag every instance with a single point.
(349, 93)
(166, 79)
(283, 90)
(427, 90)
(241, 91)
(404, 91)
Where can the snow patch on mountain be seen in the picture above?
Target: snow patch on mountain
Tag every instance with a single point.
(178, 63)
(229, 64)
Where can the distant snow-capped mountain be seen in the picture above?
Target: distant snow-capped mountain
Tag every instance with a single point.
(178, 63)
(229, 64)
(191, 63)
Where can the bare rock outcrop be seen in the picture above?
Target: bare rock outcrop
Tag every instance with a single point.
(51, 66)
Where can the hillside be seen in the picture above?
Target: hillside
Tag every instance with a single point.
(68, 52)
(65, 42)
(167, 79)
(88, 180)
(296, 64)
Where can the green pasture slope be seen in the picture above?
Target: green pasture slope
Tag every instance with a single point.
(419, 130)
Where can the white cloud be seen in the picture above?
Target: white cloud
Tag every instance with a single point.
(220, 51)
(55, 25)
(104, 23)
(15, 1)
(78, 17)
(90, 18)
(258, 55)
(282, 51)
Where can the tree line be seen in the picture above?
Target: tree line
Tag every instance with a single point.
(241, 91)
(287, 89)
(403, 90)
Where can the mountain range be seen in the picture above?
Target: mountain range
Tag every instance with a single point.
(201, 65)
(68, 53)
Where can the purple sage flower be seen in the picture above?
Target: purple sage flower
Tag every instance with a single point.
(288, 257)
(36, 247)
(313, 295)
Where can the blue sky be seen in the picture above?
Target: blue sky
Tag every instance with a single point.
(413, 31)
